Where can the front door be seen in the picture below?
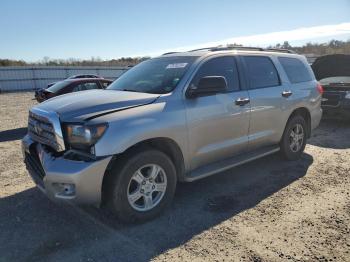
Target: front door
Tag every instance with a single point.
(217, 124)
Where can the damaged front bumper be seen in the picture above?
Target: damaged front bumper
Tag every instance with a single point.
(79, 182)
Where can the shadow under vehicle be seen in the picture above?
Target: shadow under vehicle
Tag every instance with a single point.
(35, 229)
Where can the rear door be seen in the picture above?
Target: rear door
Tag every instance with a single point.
(218, 127)
(265, 93)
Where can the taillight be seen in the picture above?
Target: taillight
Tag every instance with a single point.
(319, 88)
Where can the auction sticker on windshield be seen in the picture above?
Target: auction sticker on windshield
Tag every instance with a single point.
(176, 65)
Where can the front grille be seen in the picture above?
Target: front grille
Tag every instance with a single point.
(330, 99)
(41, 130)
(34, 168)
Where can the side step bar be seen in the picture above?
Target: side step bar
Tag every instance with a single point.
(223, 165)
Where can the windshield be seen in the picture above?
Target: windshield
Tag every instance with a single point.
(57, 87)
(335, 80)
(156, 76)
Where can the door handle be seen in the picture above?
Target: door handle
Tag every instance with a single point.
(287, 93)
(242, 101)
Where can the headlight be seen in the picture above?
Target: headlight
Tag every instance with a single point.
(347, 95)
(84, 136)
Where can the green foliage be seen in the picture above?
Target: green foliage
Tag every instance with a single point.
(319, 49)
(94, 61)
(8, 62)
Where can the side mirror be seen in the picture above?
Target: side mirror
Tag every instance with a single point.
(208, 85)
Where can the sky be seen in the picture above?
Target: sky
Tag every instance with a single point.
(31, 30)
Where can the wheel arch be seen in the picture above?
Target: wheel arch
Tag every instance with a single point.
(305, 113)
(166, 145)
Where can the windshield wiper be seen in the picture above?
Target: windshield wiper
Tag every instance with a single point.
(129, 90)
(136, 91)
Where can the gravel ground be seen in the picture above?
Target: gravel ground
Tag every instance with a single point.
(266, 210)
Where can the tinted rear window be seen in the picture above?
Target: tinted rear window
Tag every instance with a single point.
(295, 70)
(261, 72)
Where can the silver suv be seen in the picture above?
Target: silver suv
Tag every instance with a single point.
(177, 117)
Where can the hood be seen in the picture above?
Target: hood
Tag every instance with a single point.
(331, 66)
(86, 105)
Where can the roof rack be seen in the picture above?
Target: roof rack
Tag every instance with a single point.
(281, 50)
(248, 48)
(169, 53)
(219, 48)
(204, 48)
(238, 48)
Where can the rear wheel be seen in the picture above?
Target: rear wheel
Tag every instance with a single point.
(142, 186)
(294, 138)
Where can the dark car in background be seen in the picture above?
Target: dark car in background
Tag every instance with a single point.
(333, 73)
(84, 76)
(78, 76)
(71, 85)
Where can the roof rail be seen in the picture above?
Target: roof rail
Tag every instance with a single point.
(223, 48)
(248, 48)
(237, 48)
(200, 49)
(282, 50)
(169, 53)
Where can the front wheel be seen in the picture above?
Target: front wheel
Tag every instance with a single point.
(294, 138)
(142, 186)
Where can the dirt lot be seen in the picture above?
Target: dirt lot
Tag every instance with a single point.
(266, 210)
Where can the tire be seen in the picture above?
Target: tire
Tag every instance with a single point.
(293, 146)
(126, 185)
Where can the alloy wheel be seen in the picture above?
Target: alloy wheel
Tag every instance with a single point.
(296, 138)
(147, 187)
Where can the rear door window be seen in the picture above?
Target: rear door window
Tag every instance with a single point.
(79, 87)
(104, 84)
(91, 85)
(295, 69)
(261, 72)
(85, 86)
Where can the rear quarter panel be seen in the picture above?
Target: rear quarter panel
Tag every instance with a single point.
(305, 95)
